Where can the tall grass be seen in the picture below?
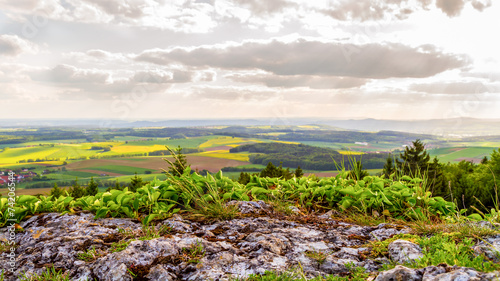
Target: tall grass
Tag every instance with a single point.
(205, 201)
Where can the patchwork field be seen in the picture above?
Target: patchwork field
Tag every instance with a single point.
(457, 154)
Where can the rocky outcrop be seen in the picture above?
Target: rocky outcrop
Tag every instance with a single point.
(188, 250)
(435, 273)
(402, 251)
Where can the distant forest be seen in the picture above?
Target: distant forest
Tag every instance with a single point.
(287, 134)
(306, 156)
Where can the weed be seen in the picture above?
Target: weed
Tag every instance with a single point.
(119, 246)
(151, 232)
(194, 253)
(380, 248)
(445, 249)
(297, 274)
(320, 256)
(89, 255)
(50, 274)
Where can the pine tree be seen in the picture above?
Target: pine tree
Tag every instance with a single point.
(270, 171)
(76, 190)
(414, 160)
(56, 192)
(484, 160)
(92, 188)
(180, 164)
(244, 178)
(388, 167)
(298, 172)
(135, 183)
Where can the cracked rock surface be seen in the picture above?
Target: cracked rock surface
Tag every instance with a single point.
(233, 248)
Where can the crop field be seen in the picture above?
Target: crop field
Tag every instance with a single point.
(223, 140)
(458, 154)
(117, 169)
(126, 166)
(189, 142)
(350, 152)
(126, 148)
(242, 156)
(13, 155)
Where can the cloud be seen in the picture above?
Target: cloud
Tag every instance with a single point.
(260, 7)
(315, 58)
(480, 5)
(88, 81)
(13, 45)
(312, 82)
(451, 7)
(121, 8)
(459, 88)
(490, 76)
(373, 10)
(231, 94)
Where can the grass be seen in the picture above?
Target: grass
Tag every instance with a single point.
(146, 233)
(207, 200)
(118, 169)
(318, 256)
(454, 154)
(50, 274)
(445, 249)
(194, 253)
(89, 255)
(189, 142)
(297, 274)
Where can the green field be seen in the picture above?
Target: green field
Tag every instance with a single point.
(124, 170)
(189, 142)
(458, 154)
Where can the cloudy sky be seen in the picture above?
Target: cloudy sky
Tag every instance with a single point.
(180, 59)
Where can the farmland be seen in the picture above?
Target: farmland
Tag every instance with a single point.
(108, 157)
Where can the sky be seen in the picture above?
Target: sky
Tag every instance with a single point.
(200, 59)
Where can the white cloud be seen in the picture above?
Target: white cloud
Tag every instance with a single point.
(13, 45)
(315, 58)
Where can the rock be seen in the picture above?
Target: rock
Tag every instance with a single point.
(455, 273)
(160, 272)
(402, 251)
(490, 249)
(251, 207)
(384, 231)
(400, 273)
(218, 251)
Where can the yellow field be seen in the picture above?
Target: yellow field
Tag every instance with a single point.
(221, 141)
(136, 148)
(288, 142)
(13, 155)
(345, 152)
(225, 154)
(308, 127)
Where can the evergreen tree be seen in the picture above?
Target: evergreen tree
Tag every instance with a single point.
(56, 192)
(298, 172)
(76, 191)
(484, 160)
(135, 183)
(270, 171)
(388, 167)
(180, 164)
(244, 178)
(415, 159)
(92, 188)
